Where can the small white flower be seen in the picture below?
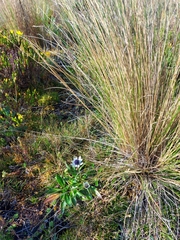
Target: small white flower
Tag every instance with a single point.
(86, 185)
(77, 162)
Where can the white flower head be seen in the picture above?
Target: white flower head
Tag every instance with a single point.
(77, 162)
(86, 185)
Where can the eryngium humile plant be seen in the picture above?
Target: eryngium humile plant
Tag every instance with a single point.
(124, 57)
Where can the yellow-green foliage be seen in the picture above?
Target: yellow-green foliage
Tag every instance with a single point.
(48, 98)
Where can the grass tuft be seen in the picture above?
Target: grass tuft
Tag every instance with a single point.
(126, 64)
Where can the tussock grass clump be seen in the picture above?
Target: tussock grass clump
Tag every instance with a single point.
(125, 62)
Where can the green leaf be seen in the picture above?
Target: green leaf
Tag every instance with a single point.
(74, 201)
(73, 198)
(72, 171)
(63, 206)
(92, 189)
(51, 223)
(86, 193)
(53, 190)
(68, 200)
(60, 180)
(79, 194)
(48, 210)
(96, 183)
(15, 215)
